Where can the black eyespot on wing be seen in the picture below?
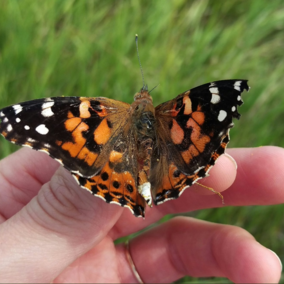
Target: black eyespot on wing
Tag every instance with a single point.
(104, 176)
(116, 184)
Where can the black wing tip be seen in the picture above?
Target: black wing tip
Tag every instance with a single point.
(244, 84)
(229, 83)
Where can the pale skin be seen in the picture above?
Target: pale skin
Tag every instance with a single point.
(53, 230)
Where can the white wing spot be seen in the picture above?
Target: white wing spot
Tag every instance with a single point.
(31, 140)
(2, 114)
(47, 104)
(239, 98)
(221, 133)
(215, 99)
(17, 108)
(233, 108)
(5, 119)
(212, 84)
(41, 129)
(18, 120)
(46, 108)
(27, 127)
(222, 115)
(145, 191)
(46, 145)
(47, 112)
(9, 127)
(237, 85)
(214, 90)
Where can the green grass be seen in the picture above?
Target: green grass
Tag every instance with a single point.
(87, 48)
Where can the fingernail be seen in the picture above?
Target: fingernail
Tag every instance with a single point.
(277, 258)
(232, 159)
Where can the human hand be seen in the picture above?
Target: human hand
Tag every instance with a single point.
(53, 230)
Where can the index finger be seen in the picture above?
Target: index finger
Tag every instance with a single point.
(258, 182)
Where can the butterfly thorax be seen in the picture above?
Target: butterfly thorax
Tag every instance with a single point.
(143, 115)
(145, 131)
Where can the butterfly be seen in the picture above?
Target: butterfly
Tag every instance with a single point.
(134, 154)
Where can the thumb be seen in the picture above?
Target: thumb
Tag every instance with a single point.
(56, 227)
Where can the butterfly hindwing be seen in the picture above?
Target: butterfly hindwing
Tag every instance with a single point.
(193, 131)
(117, 182)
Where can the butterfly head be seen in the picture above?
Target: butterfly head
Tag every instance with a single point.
(143, 95)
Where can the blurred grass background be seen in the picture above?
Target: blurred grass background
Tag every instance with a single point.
(87, 48)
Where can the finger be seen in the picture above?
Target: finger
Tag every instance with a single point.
(222, 176)
(35, 168)
(260, 177)
(60, 224)
(185, 246)
(258, 182)
(225, 165)
(21, 176)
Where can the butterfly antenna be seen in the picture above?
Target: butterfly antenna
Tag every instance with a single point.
(144, 86)
(153, 88)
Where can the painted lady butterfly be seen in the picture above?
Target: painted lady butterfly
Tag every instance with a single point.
(129, 154)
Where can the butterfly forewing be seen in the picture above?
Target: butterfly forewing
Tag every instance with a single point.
(73, 130)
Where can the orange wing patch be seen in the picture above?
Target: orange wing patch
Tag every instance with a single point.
(72, 123)
(76, 148)
(198, 139)
(199, 117)
(177, 134)
(102, 133)
(115, 157)
(88, 156)
(70, 114)
(187, 105)
(79, 140)
(189, 154)
(172, 185)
